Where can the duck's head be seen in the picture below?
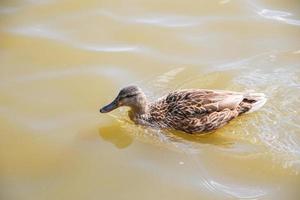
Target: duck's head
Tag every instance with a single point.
(131, 96)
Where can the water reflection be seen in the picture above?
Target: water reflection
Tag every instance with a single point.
(212, 138)
(122, 135)
(115, 135)
(240, 192)
(279, 16)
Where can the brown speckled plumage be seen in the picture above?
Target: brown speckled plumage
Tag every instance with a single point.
(191, 111)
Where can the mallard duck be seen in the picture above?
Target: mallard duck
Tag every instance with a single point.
(188, 110)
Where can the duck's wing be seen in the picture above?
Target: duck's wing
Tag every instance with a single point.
(201, 110)
(197, 103)
(207, 122)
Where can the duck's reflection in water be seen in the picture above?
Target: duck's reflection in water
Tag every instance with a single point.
(115, 135)
(123, 136)
(212, 138)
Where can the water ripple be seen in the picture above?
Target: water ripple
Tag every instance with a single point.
(118, 74)
(45, 32)
(113, 47)
(8, 10)
(277, 128)
(157, 19)
(279, 16)
(43, 125)
(240, 192)
(167, 20)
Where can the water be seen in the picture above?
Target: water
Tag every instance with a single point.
(62, 60)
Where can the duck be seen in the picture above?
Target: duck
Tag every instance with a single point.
(188, 110)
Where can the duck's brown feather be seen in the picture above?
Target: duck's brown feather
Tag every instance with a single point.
(196, 110)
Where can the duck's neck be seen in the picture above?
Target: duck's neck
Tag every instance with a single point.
(140, 109)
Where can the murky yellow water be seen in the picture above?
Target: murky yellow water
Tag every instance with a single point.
(61, 61)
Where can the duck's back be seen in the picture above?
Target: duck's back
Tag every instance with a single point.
(197, 110)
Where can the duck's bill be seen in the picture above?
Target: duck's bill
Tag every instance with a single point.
(110, 107)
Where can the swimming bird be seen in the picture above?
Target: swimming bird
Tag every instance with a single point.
(187, 110)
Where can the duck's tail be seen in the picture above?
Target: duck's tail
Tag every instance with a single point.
(253, 101)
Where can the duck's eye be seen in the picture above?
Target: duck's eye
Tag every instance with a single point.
(128, 96)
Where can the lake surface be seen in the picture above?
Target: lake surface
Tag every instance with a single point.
(60, 61)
